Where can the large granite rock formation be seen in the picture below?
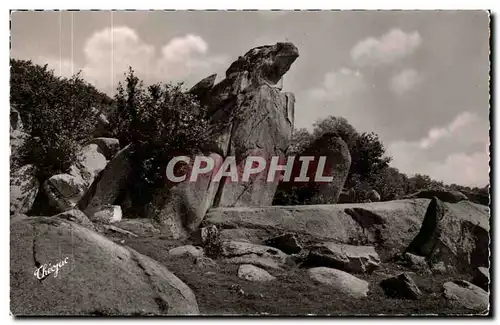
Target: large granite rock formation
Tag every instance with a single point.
(108, 184)
(64, 191)
(251, 116)
(389, 224)
(336, 167)
(87, 274)
(455, 234)
(179, 208)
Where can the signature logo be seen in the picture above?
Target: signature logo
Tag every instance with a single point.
(43, 271)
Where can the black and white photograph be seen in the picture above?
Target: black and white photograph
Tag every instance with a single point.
(250, 163)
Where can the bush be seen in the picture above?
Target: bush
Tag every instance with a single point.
(161, 121)
(56, 113)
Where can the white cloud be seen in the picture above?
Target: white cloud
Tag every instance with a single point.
(465, 123)
(469, 169)
(392, 46)
(338, 84)
(405, 80)
(109, 53)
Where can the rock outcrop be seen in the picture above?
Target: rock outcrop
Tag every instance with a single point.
(455, 234)
(251, 117)
(391, 225)
(337, 164)
(23, 189)
(94, 276)
(108, 184)
(180, 207)
(64, 191)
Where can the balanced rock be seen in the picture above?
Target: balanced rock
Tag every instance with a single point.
(401, 286)
(95, 276)
(359, 259)
(23, 189)
(467, 295)
(252, 273)
(340, 280)
(252, 117)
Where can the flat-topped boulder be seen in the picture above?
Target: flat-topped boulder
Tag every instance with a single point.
(389, 223)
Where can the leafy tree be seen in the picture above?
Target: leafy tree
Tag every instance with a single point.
(367, 159)
(336, 125)
(301, 139)
(56, 113)
(161, 121)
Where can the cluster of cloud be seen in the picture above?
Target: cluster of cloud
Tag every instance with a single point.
(458, 166)
(392, 46)
(109, 53)
(336, 84)
(405, 80)
(374, 53)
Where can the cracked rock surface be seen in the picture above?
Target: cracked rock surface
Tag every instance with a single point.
(99, 277)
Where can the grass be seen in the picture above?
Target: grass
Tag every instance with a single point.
(219, 291)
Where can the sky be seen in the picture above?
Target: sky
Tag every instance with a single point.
(418, 79)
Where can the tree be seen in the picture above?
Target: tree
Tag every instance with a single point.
(161, 121)
(301, 139)
(336, 125)
(367, 158)
(56, 113)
